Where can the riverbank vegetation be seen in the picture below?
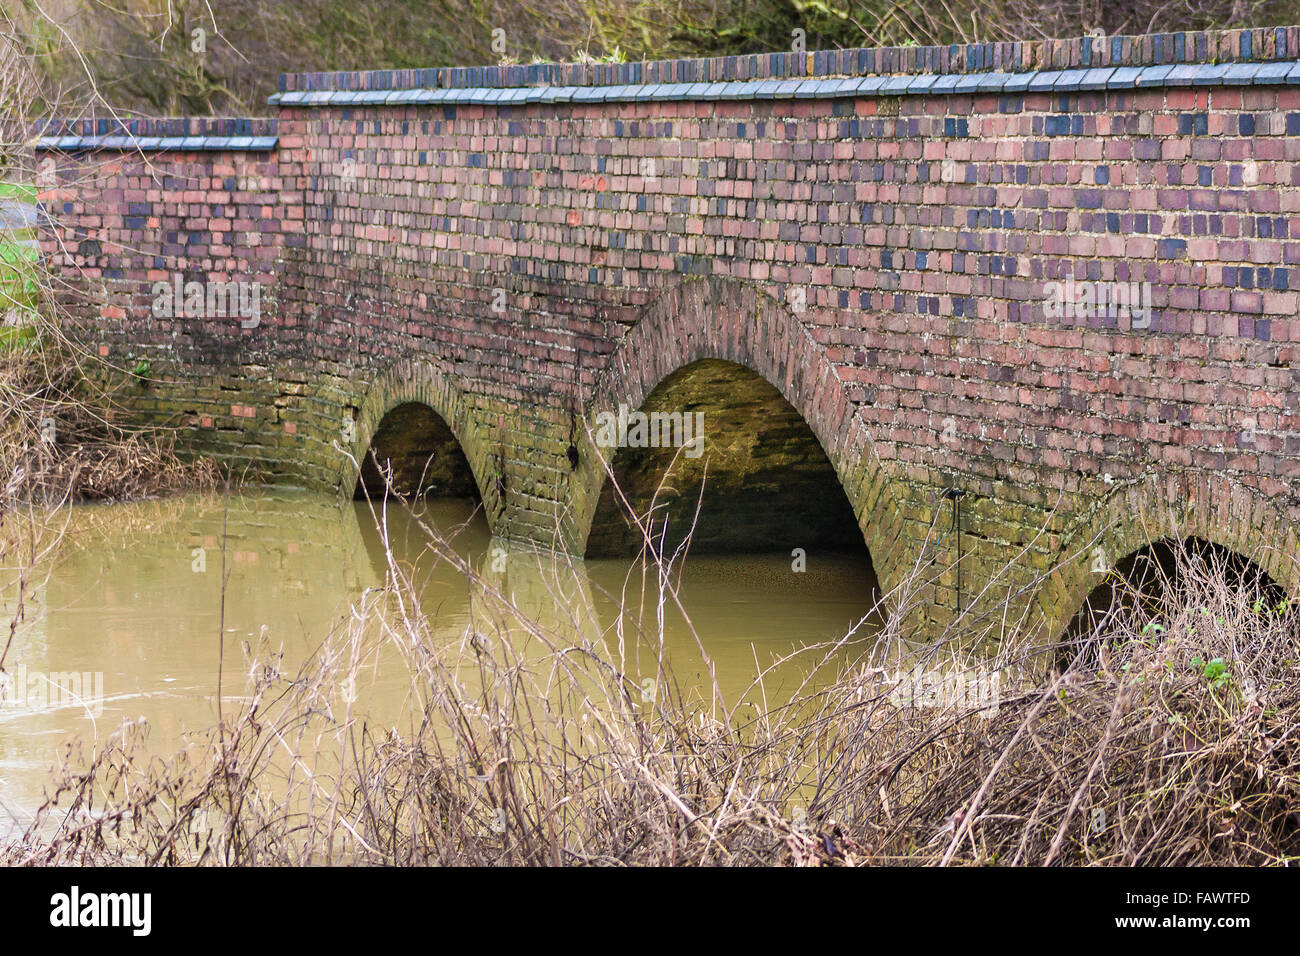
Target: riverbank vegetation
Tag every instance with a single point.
(60, 439)
(61, 434)
(190, 57)
(1166, 736)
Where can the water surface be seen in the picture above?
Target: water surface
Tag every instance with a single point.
(128, 613)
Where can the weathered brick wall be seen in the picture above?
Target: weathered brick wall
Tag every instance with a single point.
(127, 219)
(880, 258)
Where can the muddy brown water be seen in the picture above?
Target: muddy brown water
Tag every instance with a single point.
(123, 621)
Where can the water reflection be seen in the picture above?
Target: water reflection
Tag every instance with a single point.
(135, 595)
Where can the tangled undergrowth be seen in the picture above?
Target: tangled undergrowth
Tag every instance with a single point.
(1172, 740)
(59, 439)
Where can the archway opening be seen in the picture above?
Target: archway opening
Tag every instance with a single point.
(717, 437)
(1154, 583)
(417, 448)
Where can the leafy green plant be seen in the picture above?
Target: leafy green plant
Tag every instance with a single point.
(1214, 671)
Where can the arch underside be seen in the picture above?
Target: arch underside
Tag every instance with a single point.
(419, 421)
(1242, 525)
(743, 472)
(1141, 586)
(414, 453)
(808, 446)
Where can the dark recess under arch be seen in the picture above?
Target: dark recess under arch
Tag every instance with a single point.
(423, 453)
(1147, 579)
(767, 483)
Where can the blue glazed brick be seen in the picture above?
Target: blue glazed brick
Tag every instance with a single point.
(1096, 79)
(1153, 75)
(1270, 73)
(1018, 82)
(1124, 77)
(1211, 74)
(1241, 74)
(1042, 82)
(1056, 125)
(1069, 81)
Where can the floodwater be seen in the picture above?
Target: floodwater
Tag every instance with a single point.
(123, 620)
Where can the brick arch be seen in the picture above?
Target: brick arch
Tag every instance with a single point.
(718, 318)
(420, 382)
(1211, 507)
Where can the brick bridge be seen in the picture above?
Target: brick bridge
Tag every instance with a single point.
(843, 259)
